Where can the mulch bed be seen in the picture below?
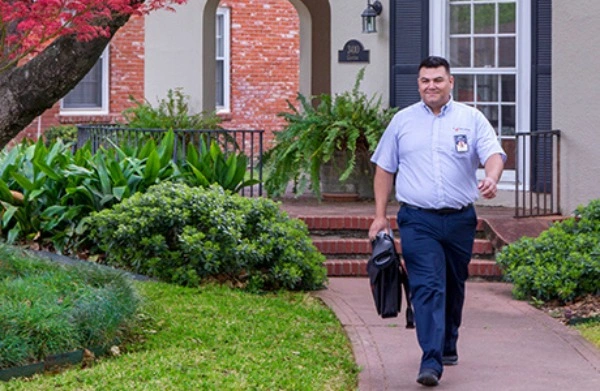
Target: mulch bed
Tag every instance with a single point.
(583, 309)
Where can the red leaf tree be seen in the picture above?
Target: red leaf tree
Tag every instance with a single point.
(48, 46)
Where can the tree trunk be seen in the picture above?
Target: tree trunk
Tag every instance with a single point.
(27, 91)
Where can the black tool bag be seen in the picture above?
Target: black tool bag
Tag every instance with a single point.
(386, 275)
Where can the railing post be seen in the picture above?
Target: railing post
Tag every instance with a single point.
(538, 187)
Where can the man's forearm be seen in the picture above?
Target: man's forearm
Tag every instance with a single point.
(382, 187)
(493, 167)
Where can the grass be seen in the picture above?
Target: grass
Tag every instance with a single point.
(217, 338)
(591, 331)
(47, 308)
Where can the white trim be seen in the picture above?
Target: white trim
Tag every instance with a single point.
(524, 77)
(225, 13)
(438, 13)
(104, 110)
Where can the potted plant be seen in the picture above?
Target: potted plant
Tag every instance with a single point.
(326, 147)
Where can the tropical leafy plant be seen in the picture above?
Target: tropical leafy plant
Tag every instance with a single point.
(208, 164)
(350, 122)
(46, 191)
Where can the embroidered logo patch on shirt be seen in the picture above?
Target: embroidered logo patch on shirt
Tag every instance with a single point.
(457, 129)
(460, 142)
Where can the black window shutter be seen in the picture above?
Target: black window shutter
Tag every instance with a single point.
(541, 93)
(409, 44)
(541, 65)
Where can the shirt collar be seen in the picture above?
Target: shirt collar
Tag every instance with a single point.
(444, 109)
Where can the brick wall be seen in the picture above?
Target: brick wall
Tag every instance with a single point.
(126, 77)
(265, 57)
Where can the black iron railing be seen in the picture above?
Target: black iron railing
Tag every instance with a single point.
(537, 174)
(249, 142)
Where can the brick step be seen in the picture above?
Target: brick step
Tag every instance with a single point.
(358, 268)
(333, 244)
(350, 223)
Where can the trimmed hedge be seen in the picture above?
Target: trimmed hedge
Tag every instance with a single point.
(186, 235)
(562, 263)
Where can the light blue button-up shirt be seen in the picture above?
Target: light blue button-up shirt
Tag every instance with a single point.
(436, 157)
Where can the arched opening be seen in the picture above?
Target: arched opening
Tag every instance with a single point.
(277, 48)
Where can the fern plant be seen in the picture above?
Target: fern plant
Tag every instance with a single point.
(349, 122)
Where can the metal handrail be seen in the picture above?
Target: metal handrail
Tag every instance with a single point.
(537, 175)
(249, 142)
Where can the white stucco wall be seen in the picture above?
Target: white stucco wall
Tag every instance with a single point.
(575, 98)
(174, 52)
(346, 24)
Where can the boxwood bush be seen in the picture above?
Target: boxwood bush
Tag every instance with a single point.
(185, 235)
(562, 263)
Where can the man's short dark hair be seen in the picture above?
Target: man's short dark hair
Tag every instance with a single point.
(435, 62)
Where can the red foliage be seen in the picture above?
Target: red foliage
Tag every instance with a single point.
(27, 26)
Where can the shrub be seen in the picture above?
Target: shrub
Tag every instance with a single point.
(66, 133)
(562, 263)
(50, 308)
(186, 235)
(171, 113)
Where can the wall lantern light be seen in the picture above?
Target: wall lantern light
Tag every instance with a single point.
(369, 16)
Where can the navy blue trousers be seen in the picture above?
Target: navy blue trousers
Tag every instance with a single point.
(437, 249)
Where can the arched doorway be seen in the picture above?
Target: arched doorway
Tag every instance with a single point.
(261, 61)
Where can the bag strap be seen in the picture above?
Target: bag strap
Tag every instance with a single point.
(410, 317)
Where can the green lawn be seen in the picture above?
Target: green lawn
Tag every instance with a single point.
(590, 331)
(216, 338)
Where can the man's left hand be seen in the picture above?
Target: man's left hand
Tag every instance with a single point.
(487, 187)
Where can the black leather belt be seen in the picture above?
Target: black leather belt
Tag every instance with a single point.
(442, 211)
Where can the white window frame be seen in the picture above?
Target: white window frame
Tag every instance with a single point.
(104, 109)
(439, 28)
(226, 58)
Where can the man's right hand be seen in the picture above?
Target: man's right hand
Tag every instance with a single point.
(379, 224)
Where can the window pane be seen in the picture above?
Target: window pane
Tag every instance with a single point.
(220, 83)
(220, 32)
(506, 52)
(509, 89)
(463, 88)
(507, 18)
(484, 55)
(460, 52)
(460, 19)
(485, 18)
(487, 88)
(509, 120)
(88, 93)
(491, 113)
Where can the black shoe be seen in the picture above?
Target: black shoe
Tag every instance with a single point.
(450, 359)
(428, 377)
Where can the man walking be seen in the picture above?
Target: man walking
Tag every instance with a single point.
(434, 148)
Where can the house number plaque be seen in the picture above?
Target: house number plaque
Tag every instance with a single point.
(353, 51)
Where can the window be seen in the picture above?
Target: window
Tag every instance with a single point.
(482, 52)
(487, 43)
(222, 56)
(90, 96)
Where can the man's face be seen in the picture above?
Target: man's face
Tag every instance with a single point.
(435, 85)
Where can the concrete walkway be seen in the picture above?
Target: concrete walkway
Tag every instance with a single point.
(504, 344)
